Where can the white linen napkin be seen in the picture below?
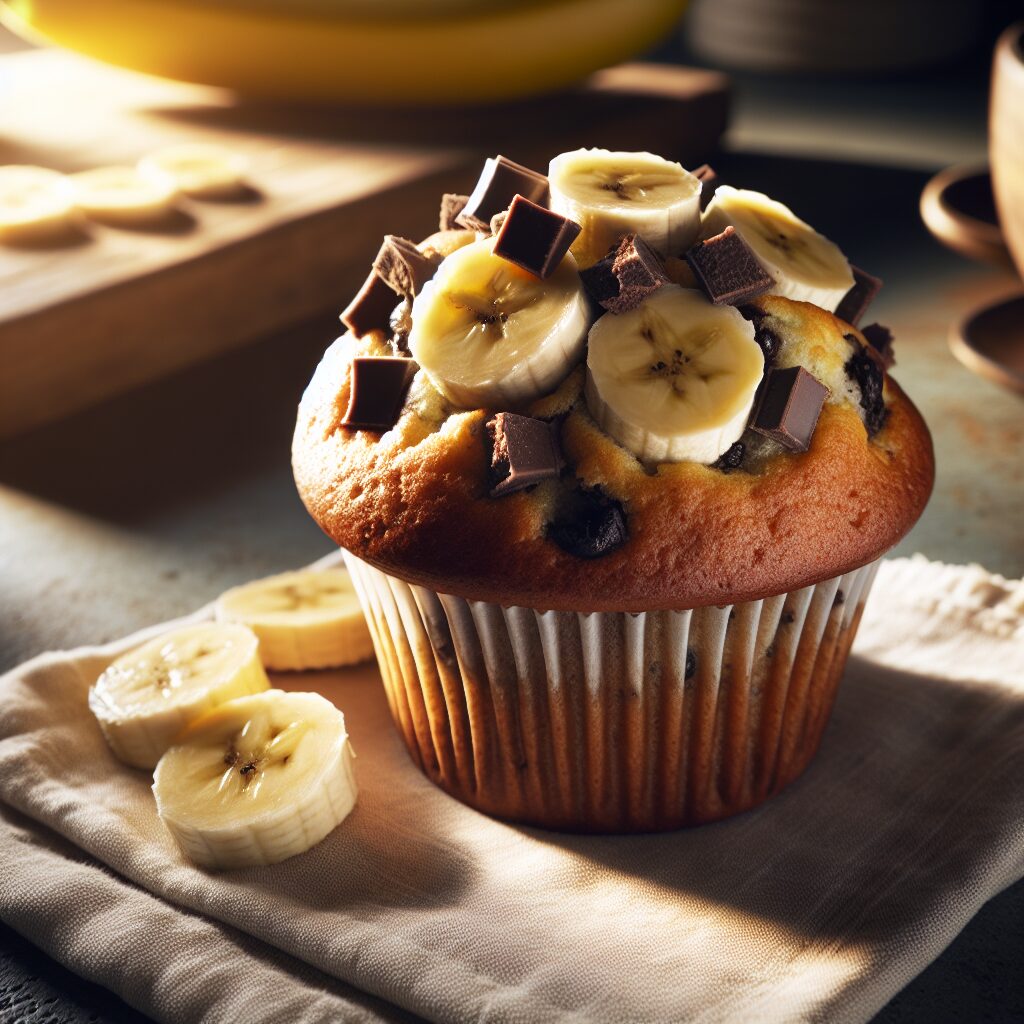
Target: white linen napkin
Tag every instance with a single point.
(820, 905)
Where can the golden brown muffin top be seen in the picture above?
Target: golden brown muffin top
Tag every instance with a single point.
(415, 500)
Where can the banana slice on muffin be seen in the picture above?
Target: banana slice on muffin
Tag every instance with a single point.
(611, 194)
(488, 333)
(804, 264)
(675, 378)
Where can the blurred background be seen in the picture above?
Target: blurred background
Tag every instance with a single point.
(148, 378)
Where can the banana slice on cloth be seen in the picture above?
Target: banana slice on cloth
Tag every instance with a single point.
(673, 379)
(611, 194)
(306, 619)
(257, 780)
(34, 202)
(489, 334)
(201, 169)
(122, 195)
(806, 266)
(146, 697)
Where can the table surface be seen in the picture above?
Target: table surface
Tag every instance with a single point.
(153, 503)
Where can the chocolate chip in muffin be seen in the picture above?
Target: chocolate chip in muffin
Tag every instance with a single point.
(727, 270)
(452, 204)
(534, 237)
(501, 180)
(371, 309)
(864, 368)
(403, 267)
(731, 459)
(791, 401)
(880, 339)
(630, 272)
(855, 302)
(766, 338)
(377, 391)
(594, 525)
(709, 182)
(524, 451)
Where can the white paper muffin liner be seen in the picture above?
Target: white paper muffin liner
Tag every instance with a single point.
(611, 721)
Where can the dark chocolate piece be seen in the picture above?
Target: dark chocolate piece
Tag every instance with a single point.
(709, 181)
(766, 338)
(865, 368)
(595, 526)
(500, 181)
(534, 238)
(727, 270)
(452, 204)
(371, 309)
(524, 451)
(626, 276)
(855, 302)
(377, 391)
(791, 402)
(402, 266)
(732, 458)
(880, 339)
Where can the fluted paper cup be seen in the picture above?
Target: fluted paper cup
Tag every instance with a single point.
(611, 721)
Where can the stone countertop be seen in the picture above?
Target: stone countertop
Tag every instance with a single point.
(153, 503)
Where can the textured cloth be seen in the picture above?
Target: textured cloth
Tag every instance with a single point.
(819, 905)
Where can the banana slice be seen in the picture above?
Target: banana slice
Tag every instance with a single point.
(611, 194)
(257, 780)
(144, 699)
(200, 169)
(306, 619)
(673, 379)
(34, 202)
(488, 334)
(122, 195)
(806, 266)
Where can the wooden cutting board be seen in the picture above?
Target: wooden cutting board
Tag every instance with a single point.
(106, 309)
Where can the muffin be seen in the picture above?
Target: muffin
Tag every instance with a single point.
(612, 467)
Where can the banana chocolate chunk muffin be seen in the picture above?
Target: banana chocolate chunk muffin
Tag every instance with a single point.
(612, 479)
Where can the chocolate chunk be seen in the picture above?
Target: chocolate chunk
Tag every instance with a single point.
(880, 339)
(855, 302)
(403, 268)
(791, 402)
(452, 204)
(594, 526)
(626, 276)
(371, 309)
(377, 391)
(732, 458)
(866, 370)
(500, 182)
(534, 238)
(524, 451)
(766, 338)
(709, 181)
(727, 270)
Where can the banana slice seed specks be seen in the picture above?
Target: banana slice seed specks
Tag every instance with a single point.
(673, 379)
(257, 780)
